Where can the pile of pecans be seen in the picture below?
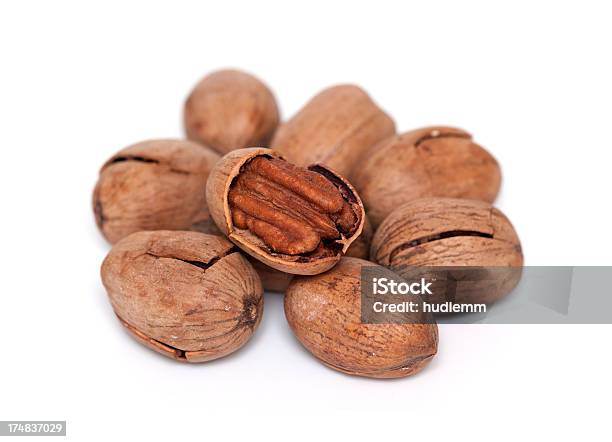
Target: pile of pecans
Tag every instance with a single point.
(200, 227)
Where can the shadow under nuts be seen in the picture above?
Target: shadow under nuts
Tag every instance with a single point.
(229, 110)
(324, 313)
(433, 161)
(187, 295)
(154, 185)
(335, 128)
(448, 232)
(294, 219)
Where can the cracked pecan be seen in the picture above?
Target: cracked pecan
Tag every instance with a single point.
(277, 281)
(450, 233)
(324, 312)
(428, 162)
(154, 185)
(294, 219)
(187, 295)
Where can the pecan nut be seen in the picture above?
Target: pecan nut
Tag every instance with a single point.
(452, 234)
(187, 295)
(291, 218)
(335, 128)
(230, 109)
(154, 185)
(277, 281)
(324, 312)
(427, 162)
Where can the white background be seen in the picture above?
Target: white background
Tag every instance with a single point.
(531, 81)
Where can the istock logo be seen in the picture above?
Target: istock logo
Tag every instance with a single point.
(385, 286)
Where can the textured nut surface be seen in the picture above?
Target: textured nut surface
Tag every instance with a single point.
(293, 219)
(187, 295)
(334, 128)
(229, 110)
(324, 313)
(154, 185)
(453, 233)
(428, 162)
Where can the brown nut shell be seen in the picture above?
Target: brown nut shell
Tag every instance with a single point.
(334, 128)
(360, 248)
(187, 295)
(429, 162)
(154, 185)
(449, 232)
(277, 281)
(324, 313)
(286, 215)
(229, 110)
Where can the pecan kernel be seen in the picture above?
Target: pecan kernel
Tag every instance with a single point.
(291, 209)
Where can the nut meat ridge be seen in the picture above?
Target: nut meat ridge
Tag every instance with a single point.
(289, 208)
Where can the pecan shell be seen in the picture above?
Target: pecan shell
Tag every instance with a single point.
(428, 162)
(230, 109)
(154, 185)
(293, 219)
(324, 313)
(276, 281)
(334, 128)
(360, 248)
(187, 295)
(448, 232)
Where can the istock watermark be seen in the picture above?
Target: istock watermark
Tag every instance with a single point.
(503, 295)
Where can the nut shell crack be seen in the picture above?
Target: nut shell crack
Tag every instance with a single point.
(437, 237)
